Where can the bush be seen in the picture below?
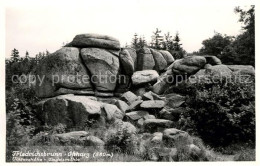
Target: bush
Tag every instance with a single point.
(221, 113)
(121, 141)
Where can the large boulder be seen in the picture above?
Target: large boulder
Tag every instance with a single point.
(127, 62)
(103, 66)
(242, 69)
(132, 53)
(62, 69)
(213, 60)
(160, 62)
(68, 109)
(167, 56)
(145, 60)
(188, 65)
(211, 74)
(95, 40)
(145, 76)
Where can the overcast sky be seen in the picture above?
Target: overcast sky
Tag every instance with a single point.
(43, 27)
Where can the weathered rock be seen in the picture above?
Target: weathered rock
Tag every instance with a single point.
(171, 113)
(64, 91)
(104, 94)
(188, 65)
(68, 109)
(207, 66)
(211, 74)
(151, 104)
(133, 54)
(122, 105)
(107, 100)
(242, 69)
(135, 115)
(152, 125)
(157, 137)
(160, 62)
(125, 126)
(140, 122)
(219, 71)
(167, 56)
(129, 97)
(135, 105)
(151, 96)
(93, 141)
(112, 112)
(149, 117)
(127, 62)
(145, 76)
(78, 138)
(213, 60)
(67, 138)
(95, 40)
(194, 150)
(163, 82)
(62, 69)
(176, 138)
(174, 100)
(145, 60)
(103, 67)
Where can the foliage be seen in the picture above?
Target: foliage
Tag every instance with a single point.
(120, 140)
(221, 113)
(239, 50)
(215, 45)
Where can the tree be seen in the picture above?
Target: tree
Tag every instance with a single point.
(177, 45)
(242, 49)
(142, 42)
(135, 41)
(168, 42)
(215, 45)
(15, 55)
(157, 39)
(27, 55)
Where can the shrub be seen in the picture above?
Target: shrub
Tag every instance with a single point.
(221, 113)
(121, 141)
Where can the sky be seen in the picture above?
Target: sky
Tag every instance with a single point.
(40, 27)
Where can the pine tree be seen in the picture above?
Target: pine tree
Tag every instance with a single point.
(157, 39)
(15, 55)
(177, 45)
(135, 41)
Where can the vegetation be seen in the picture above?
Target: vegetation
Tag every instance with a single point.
(239, 50)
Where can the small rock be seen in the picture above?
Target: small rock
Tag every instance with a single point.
(174, 138)
(122, 105)
(112, 112)
(135, 115)
(135, 105)
(129, 97)
(153, 125)
(152, 104)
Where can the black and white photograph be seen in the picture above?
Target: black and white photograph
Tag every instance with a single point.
(128, 81)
